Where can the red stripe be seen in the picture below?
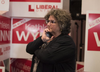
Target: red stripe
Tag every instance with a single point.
(0, 70)
(79, 66)
(35, 0)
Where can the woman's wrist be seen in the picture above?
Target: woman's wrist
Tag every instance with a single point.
(42, 39)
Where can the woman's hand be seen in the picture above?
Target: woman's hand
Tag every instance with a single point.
(44, 37)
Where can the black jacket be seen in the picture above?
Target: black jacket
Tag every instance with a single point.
(57, 56)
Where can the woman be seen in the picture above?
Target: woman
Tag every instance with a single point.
(55, 54)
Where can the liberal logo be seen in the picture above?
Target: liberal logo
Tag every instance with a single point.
(41, 8)
(30, 9)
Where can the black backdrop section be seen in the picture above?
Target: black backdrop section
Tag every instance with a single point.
(75, 10)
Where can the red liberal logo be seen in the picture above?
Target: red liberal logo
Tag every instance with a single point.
(41, 8)
(30, 9)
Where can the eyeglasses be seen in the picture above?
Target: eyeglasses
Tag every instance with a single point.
(51, 21)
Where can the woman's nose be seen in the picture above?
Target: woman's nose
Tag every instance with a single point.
(48, 24)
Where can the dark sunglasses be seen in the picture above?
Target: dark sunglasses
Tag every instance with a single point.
(51, 21)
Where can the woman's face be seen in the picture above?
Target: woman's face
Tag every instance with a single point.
(52, 25)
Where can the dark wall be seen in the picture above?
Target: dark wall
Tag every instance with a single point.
(75, 9)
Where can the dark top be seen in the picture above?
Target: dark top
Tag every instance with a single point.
(57, 56)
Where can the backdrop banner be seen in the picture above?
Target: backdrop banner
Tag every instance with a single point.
(92, 42)
(20, 65)
(5, 30)
(24, 31)
(32, 8)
